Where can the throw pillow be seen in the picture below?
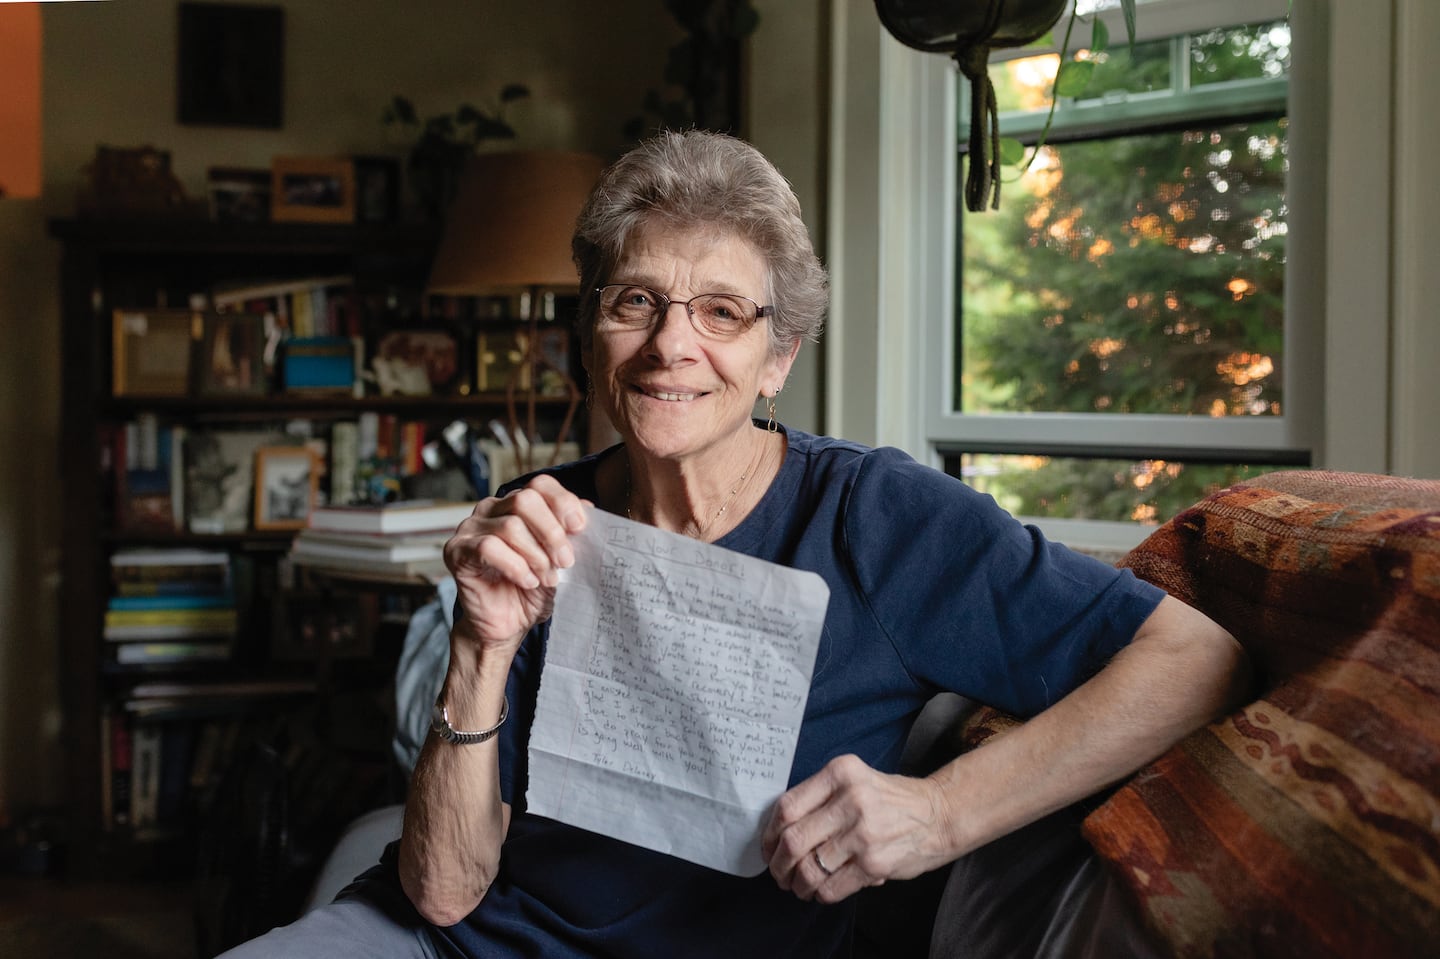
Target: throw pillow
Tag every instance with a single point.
(1308, 822)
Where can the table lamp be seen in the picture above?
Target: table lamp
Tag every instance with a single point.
(508, 231)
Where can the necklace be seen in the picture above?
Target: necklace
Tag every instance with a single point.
(703, 531)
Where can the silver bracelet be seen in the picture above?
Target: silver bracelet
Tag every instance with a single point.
(440, 723)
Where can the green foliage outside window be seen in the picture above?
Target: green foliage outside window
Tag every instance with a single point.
(1133, 273)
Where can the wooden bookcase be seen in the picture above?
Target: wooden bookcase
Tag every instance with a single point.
(112, 264)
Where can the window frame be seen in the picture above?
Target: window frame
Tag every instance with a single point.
(1287, 439)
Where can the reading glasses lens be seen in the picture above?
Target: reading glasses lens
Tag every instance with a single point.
(719, 314)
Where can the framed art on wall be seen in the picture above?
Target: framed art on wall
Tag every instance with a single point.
(231, 65)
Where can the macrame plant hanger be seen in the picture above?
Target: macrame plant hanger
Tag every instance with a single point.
(968, 30)
(982, 181)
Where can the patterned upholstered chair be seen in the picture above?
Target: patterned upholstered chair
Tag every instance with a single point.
(1306, 823)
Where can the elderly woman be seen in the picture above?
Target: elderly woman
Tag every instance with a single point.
(699, 286)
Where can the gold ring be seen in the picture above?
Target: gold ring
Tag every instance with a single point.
(821, 863)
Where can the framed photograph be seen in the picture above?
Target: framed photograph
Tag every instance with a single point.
(312, 190)
(231, 69)
(230, 357)
(152, 352)
(287, 479)
(220, 477)
(501, 359)
(238, 195)
(433, 353)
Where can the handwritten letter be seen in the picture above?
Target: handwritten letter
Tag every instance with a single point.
(675, 681)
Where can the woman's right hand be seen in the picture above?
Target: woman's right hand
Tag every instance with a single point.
(506, 559)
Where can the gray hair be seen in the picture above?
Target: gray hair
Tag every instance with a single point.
(708, 181)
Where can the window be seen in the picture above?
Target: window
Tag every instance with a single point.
(1124, 338)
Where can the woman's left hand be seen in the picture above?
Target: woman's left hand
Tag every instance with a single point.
(848, 827)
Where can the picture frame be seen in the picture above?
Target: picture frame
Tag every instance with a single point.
(230, 68)
(152, 352)
(220, 477)
(312, 190)
(433, 351)
(501, 360)
(287, 482)
(238, 194)
(230, 355)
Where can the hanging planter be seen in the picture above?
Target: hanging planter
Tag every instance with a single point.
(968, 30)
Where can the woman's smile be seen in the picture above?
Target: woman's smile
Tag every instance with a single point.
(669, 396)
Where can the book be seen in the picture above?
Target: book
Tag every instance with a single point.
(144, 497)
(159, 588)
(168, 556)
(141, 632)
(235, 296)
(170, 571)
(145, 776)
(320, 363)
(344, 461)
(223, 688)
(131, 625)
(221, 616)
(177, 749)
(130, 654)
(419, 571)
(178, 601)
(205, 764)
(107, 750)
(303, 549)
(118, 773)
(424, 537)
(403, 517)
(177, 477)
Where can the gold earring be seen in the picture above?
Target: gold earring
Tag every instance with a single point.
(772, 426)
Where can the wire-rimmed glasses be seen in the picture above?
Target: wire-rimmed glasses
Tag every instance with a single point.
(625, 306)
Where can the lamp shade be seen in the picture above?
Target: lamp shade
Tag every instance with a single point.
(510, 225)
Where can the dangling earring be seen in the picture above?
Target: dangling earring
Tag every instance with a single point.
(589, 394)
(772, 426)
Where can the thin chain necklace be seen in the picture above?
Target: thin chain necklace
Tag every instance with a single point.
(703, 531)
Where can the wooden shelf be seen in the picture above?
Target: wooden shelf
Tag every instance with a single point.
(139, 263)
(208, 238)
(319, 405)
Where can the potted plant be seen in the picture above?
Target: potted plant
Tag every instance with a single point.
(444, 142)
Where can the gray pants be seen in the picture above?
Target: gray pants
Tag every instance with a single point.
(360, 924)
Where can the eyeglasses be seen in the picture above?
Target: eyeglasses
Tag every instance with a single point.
(721, 315)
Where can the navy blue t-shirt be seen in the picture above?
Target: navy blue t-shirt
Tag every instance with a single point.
(932, 587)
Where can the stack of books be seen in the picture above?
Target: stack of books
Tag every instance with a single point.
(396, 541)
(170, 605)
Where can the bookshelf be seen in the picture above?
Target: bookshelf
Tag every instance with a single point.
(376, 273)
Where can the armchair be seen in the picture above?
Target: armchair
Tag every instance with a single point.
(1305, 824)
